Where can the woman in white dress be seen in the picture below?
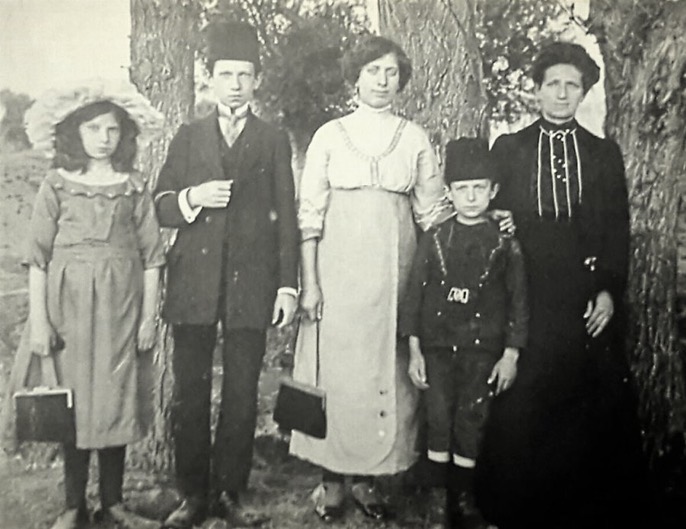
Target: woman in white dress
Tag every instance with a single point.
(370, 178)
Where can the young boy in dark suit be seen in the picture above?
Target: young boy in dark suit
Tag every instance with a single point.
(227, 187)
(466, 317)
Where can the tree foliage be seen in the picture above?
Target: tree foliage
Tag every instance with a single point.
(302, 43)
(12, 134)
(509, 36)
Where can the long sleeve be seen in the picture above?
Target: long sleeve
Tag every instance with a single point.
(429, 201)
(286, 215)
(612, 264)
(43, 227)
(409, 314)
(518, 306)
(314, 188)
(172, 180)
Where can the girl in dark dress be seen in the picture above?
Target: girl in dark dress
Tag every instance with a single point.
(562, 448)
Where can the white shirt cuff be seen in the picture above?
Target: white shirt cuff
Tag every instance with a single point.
(288, 290)
(189, 213)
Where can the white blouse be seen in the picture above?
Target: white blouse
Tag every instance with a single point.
(369, 149)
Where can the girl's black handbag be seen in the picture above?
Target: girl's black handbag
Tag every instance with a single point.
(45, 412)
(302, 407)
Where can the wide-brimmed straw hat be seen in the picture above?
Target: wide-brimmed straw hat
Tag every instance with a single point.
(53, 106)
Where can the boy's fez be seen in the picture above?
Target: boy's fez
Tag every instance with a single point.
(468, 159)
(235, 41)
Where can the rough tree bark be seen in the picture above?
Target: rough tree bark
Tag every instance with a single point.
(446, 92)
(163, 36)
(644, 49)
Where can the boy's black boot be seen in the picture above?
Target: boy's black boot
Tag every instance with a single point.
(461, 510)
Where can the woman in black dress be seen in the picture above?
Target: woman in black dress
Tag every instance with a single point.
(562, 448)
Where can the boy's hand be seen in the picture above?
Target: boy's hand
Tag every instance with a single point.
(311, 302)
(598, 315)
(212, 194)
(147, 332)
(417, 368)
(284, 310)
(504, 219)
(505, 370)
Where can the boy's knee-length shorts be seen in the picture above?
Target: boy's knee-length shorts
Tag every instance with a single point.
(457, 400)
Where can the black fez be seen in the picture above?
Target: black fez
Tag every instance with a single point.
(235, 41)
(468, 159)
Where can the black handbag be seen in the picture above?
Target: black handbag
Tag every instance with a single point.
(302, 407)
(46, 412)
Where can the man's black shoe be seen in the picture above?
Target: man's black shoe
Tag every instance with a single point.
(229, 508)
(192, 511)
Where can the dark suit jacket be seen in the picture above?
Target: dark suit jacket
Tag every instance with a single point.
(490, 266)
(251, 246)
(604, 213)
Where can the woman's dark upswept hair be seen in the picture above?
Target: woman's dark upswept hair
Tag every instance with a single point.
(566, 53)
(69, 151)
(369, 49)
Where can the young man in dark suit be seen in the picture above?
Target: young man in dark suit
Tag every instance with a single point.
(227, 186)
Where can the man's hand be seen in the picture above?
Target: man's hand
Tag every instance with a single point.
(417, 368)
(212, 194)
(284, 310)
(598, 315)
(311, 302)
(147, 332)
(505, 370)
(504, 219)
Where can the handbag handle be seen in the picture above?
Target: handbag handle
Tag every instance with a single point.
(47, 369)
(297, 332)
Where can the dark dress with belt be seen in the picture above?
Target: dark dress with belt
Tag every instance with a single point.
(561, 448)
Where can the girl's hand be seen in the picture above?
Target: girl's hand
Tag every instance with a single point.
(43, 338)
(505, 370)
(417, 368)
(147, 332)
(598, 315)
(312, 302)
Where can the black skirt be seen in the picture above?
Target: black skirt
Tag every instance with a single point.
(561, 448)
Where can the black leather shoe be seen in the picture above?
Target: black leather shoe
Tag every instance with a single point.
(71, 519)
(328, 501)
(119, 517)
(368, 500)
(192, 511)
(229, 508)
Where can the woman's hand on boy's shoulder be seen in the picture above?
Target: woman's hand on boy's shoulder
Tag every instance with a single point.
(505, 220)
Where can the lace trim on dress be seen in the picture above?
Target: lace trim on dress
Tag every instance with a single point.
(373, 160)
(133, 184)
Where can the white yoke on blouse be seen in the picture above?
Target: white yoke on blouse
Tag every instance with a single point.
(396, 156)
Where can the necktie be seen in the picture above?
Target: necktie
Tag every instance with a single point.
(231, 124)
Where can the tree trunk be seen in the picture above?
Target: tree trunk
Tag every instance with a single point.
(644, 48)
(163, 34)
(445, 94)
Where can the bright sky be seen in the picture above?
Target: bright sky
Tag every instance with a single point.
(45, 42)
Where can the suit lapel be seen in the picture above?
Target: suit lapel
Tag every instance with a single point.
(249, 146)
(206, 145)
